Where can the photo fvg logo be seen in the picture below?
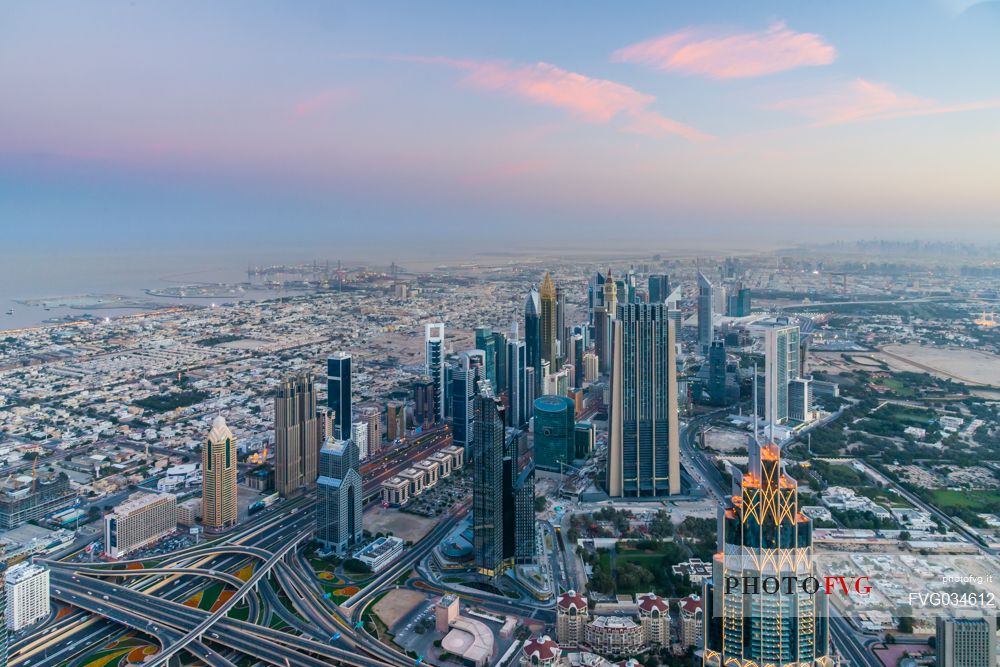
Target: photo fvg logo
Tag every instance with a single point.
(789, 584)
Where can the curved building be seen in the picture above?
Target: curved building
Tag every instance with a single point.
(555, 432)
(218, 467)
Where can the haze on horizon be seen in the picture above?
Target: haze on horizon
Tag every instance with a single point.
(242, 129)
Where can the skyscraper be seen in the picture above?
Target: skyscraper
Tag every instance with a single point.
(781, 366)
(743, 303)
(595, 295)
(434, 361)
(518, 506)
(395, 420)
(968, 641)
(643, 455)
(485, 342)
(338, 506)
(579, 349)
(533, 335)
(423, 401)
(3, 620)
(296, 435)
(464, 383)
(517, 384)
(371, 415)
(706, 310)
(717, 373)
(554, 429)
(561, 335)
(549, 322)
(338, 393)
(763, 534)
(488, 451)
(659, 287)
(500, 372)
(218, 478)
(602, 338)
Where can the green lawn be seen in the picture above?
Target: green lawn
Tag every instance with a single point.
(977, 501)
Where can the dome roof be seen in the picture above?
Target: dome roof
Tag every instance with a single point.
(542, 648)
(572, 599)
(220, 431)
(651, 601)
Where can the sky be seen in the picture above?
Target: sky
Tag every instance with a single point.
(248, 128)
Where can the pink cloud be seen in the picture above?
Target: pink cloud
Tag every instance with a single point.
(313, 104)
(861, 100)
(593, 100)
(730, 56)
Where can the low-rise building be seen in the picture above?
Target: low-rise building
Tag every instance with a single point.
(188, 512)
(691, 619)
(444, 463)
(380, 553)
(140, 520)
(614, 635)
(431, 471)
(416, 479)
(395, 491)
(457, 455)
(695, 569)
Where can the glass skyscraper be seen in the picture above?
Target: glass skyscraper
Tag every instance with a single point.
(555, 424)
(464, 382)
(488, 449)
(338, 497)
(706, 309)
(434, 363)
(643, 455)
(533, 335)
(549, 323)
(338, 393)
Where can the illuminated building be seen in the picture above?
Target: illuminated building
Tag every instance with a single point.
(549, 321)
(218, 478)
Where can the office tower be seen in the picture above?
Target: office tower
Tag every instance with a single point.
(488, 449)
(371, 415)
(602, 337)
(25, 498)
(3, 620)
(643, 455)
(26, 587)
(485, 342)
(706, 310)
(548, 322)
(218, 478)
(584, 437)
(146, 517)
(359, 435)
(743, 303)
(338, 393)
(577, 345)
(717, 373)
(500, 347)
(590, 366)
(557, 383)
(595, 295)
(555, 432)
(533, 335)
(464, 383)
(518, 506)
(296, 436)
(800, 400)
(517, 384)
(762, 534)
(967, 641)
(610, 295)
(659, 287)
(781, 366)
(338, 501)
(423, 402)
(395, 420)
(434, 361)
(561, 337)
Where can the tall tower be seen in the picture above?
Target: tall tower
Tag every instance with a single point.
(488, 483)
(555, 432)
(338, 490)
(338, 392)
(533, 335)
(517, 384)
(762, 534)
(608, 326)
(964, 641)
(486, 343)
(562, 338)
(218, 481)
(643, 456)
(464, 383)
(781, 366)
(549, 322)
(705, 313)
(434, 361)
(296, 435)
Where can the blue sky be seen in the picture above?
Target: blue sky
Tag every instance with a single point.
(172, 126)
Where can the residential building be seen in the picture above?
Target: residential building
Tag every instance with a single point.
(296, 435)
(395, 420)
(572, 615)
(654, 617)
(549, 321)
(781, 366)
(371, 415)
(541, 652)
(423, 402)
(691, 620)
(434, 353)
(706, 313)
(218, 478)
(359, 434)
(139, 521)
(967, 641)
(487, 452)
(614, 635)
(26, 589)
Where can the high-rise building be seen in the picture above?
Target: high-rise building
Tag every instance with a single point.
(339, 502)
(486, 343)
(781, 366)
(572, 615)
(218, 478)
(602, 339)
(26, 588)
(296, 435)
(643, 455)
(561, 335)
(25, 498)
(590, 367)
(500, 346)
(395, 420)
(3, 620)
(706, 310)
(517, 384)
(371, 415)
(423, 402)
(359, 435)
(555, 432)
(763, 534)
(464, 384)
(577, 350)
(966, 641)
(488, 449)
(533, 335)
(611, 294)
(434, 362)
(141, 520)
(743, 304)
(549, 324)
(659, 287)
(717, 373)
(595, 295)
(518, 506)
(800, 400)
(338, 393)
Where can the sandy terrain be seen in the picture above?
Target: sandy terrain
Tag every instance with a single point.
(726, 441)
(407, 527)
(959, 364)
(396, 605)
